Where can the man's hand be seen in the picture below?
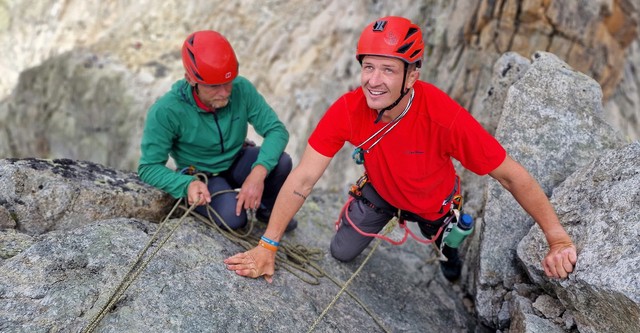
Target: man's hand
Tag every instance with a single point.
(254, 263)
(250, 194)
(198, 193)
(560, 260)
(525, 189)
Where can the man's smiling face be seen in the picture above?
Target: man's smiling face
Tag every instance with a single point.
(381, 80)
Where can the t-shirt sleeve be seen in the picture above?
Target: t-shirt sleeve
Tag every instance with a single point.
(473, 146)
(333, 130)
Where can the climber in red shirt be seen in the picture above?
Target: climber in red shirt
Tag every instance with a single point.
(405, 132)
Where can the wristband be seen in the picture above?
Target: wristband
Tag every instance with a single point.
(268, 246)
(272, 242)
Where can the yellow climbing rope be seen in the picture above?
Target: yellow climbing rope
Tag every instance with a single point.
(137, 267)
(297, 259)
(388, 228)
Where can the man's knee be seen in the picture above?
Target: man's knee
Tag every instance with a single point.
(233, 221)
(285, 164)
(344, 253)
(341, 255)
(223, 217)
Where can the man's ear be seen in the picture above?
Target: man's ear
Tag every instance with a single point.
(189, 79)
(413, 76)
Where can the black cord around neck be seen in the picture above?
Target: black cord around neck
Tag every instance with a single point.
(402, 94)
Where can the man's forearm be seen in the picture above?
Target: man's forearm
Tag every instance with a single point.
(290, 199)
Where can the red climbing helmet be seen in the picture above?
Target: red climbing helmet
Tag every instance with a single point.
(208, 58)
(392, 36)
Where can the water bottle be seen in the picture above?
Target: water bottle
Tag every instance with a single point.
(459, 231)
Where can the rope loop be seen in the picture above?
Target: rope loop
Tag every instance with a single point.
(299, 260)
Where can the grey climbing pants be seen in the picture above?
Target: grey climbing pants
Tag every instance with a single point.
(370, 215)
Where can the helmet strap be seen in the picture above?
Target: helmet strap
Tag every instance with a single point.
(402, 94)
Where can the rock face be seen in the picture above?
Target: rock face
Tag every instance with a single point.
(552, 122)
(71, 230)
(78, 105)
(599, 207)
(44, 195)
(535, 73)
(61, 279)
(88, 70)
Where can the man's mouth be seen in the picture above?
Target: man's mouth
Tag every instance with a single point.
(376, 92)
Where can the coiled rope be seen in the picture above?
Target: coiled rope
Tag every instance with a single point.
(296, 259)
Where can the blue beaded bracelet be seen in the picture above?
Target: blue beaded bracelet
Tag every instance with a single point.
(269, 241)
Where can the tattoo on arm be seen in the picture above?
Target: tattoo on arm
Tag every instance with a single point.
(299, 194)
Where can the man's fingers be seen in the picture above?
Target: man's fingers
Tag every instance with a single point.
(199, 199)
(252, 273)
(547, 271)
(569, 258)
(568, 265)
(560, 271)
(558, 264)
(239, 205)
(236, 258)
(243, 264)
(573, 256)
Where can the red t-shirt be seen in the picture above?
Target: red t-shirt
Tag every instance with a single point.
(411, 166)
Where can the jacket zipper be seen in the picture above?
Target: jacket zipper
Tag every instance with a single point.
(215, 117)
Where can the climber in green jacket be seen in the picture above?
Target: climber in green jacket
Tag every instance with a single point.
(202, 123)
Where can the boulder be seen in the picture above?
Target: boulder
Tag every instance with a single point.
(38, 195)
(552, 123)
(598, 206)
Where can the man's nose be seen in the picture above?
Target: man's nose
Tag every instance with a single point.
(375, 78)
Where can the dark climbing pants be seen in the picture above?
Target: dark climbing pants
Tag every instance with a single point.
(225, 204)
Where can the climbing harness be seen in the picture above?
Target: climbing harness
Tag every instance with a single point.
(358, 152)
(401, 223)
(455, 199)
(192, 171)
(355, 192)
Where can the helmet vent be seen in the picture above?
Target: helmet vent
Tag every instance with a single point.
(402, 49)
(410, 33)
(415, 53)
(190, 40)
(192, 57)
(195, 66)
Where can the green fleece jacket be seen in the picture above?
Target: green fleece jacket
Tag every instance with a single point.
(175, 126)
